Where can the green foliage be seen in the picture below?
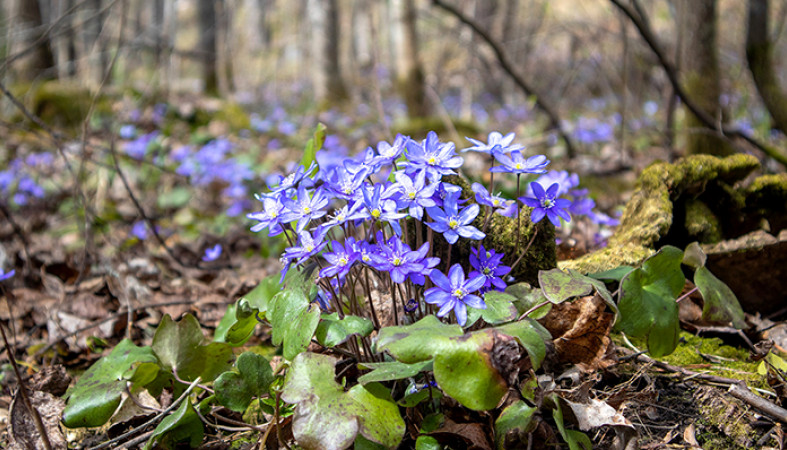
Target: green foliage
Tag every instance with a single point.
(240, 319)
(515, 421)
(647, 301)
(179, 348)
(236, 390)
(559, 286)
(333, 331)
(576, 440)
(183, 425)
(417, 342)
(719, 302)
(393, 370)
(96, 394)
(313, 146)
(327, 417)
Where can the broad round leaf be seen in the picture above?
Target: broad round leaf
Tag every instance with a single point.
(417, 342)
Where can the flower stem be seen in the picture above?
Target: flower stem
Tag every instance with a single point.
(529, 243)
(518, 212)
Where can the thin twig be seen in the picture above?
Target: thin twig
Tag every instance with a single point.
(741, 392)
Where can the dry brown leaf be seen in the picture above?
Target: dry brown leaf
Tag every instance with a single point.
(22, 430)
(581, 332)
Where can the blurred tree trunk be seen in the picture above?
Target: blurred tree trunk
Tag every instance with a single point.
(265, 7)
(39, 63)
(65, 46)
(700, 74)
(411, 80)
(223, 53)
(325, 55)
(206, 13)
(759, 54)
(97, 53)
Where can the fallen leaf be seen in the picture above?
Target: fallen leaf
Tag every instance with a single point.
(596, 414)
(22, 430)
(581, 332)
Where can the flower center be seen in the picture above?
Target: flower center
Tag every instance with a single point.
(487, 271)
(547, 203)
(273, 214)
(365, 258)
(431, 161)
(411, 195)
(459, 293)
(307, 209)
(309, 247)
(396, 261)
(343, 261)
(518, 166)
(496, 202)
(376, 213)
(453, 223)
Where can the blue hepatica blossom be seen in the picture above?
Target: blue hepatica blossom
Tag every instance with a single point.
(308, 245)
(379, 208)
(483, 197)
(346, 185)
(341, 260)
(140, 230)
(396, 258)
(292, 180)
(516, 163)
(127, 131)
(494, 139)
(388, 153)
(270, 216)
(547, 204)
(6, 275)
(416, 194)
(452, 223)
(212, 253)
(305, 208)
(454, 293)
(487, 263)
(433, 157)
(139, 146)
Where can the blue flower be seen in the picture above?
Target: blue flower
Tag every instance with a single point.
(139, 230)
(346, 185)
(388, 153)
(455, 293)
(545, 203)
(486, 263)
(416, 194)
(433, 157)
(381, 209)
(127, 131)
(294, 179)
(212, 253)
(452, 223)
(494, 139)
(308, 246)
(341, 259)
(138, 147)
(7, 275)
(566, 180)
(517, 163)
(270, 216)
(396, 258)
(483, 197)
(305, 208)
(347, 213)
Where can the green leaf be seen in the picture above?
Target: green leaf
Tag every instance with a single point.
(527, 297)
(417, 342)
(647, 301)
(236, 390)
(559, 286)
(393, 370)
(412, 399)
(97, 393)
(499, 308)
(532, 336)
(516, 419)
(240, 319)
(333, 331)
(427, 443)
(693, 256)
(576, 440)
(178, 346)
(183, 425)
(259, 298)
(720, 303)
(615, 274)
(326, 417)
(313, 146)
(465, 370)
(293, 321)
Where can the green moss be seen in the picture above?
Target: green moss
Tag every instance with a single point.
(766, 198)
(60, 104)
(701, 224)
(649, 217)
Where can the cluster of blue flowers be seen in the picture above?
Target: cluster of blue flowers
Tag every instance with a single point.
(19, 181)
(371, 213)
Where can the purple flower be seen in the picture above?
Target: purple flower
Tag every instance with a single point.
(433, 157)
(396, 258)
(270, 216)
(416, 194)
(451, 222)
(305, 208)
(294, 179)
(517, 163)
(381, 209)
(138, 147)
(487, 264)
(483, 197)
(455, 293)
(139, 230)
(127, 131)
(7, 275)
(567, 181)
(546, 204)
(212, 253)
(345, 214)
(308, 246)
(346, 185)
(341, 259)
(388, 153)
(494, 139)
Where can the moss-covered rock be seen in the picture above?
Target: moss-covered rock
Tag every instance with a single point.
(60, 104)
(695, 198)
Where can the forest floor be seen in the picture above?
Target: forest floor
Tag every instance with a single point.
(70, 303)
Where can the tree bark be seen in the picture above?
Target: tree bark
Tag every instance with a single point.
(411, 80)
(759, 55)
(40, 63)
(701, 75)
(207, 46)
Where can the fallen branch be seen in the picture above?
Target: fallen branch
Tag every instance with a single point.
(741, 392)
(640, 21)
(508, 67)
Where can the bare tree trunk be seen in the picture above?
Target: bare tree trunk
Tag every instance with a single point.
(410, 73)
(40, 63)
(223, 55)
(325, 51)
(265, 7)
(207, 46)
(96, 48)
(701, 75)
(337, 90)
(759, 54)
